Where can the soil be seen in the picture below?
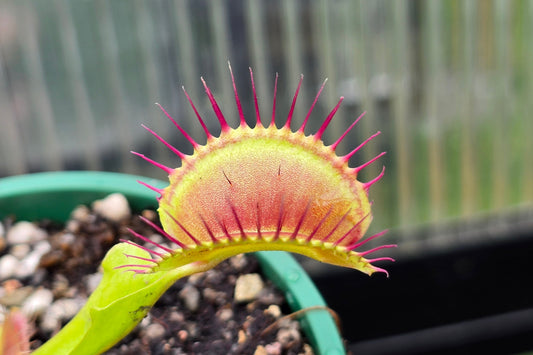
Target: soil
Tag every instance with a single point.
(197, 315)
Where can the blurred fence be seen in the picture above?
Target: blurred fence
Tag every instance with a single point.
(449, 83)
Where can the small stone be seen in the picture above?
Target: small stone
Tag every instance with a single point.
(8, 266)
(191, 297)
(146, 321)
(192, 328)
(73, 226)
(15, 297)
(239, 262)
(183, 335)
(213, 296)
(60, 285)
(248, 287)
(288, 335)
(20, 251)
(195, 279)
(149, 214)
(273, 310)
(241, 337)
(273, 348)
(308, 350)
(29, 264)
(176, 316)
(42, 248)
(113, 207)
(61, 310)
(37, 302)
(225, 314)
(81, 213)
(214, 277)
(25, 232)
(65, 240)
(92, 281)
(155, 331)
(70, 306)
(260, 350)
(11, 285)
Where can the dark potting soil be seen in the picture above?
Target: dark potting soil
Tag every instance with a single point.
(197, 315)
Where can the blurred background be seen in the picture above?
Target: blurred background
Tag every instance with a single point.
(449, 83)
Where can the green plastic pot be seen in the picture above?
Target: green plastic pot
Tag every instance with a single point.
(54, 195)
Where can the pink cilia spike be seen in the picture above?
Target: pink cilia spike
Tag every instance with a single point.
(148, 267)
(162, 232)
(349, 155)
(367, 185)
(358, 244)
(168, 145)
(361, 167)
(273, 121)
(340, 240)
(257, 114)
(153, 188)
(147, 240)
(185, 134)
(377, 248)
(207, 133)
(142, 247)
(291, 111)
(154, 163)
(302, 128)
(322, 128)
(141, 258)
(237, 100)
(334, 145)
(385, 258)
(223, 123)
(378, 269)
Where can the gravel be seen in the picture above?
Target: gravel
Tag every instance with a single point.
(48, 270)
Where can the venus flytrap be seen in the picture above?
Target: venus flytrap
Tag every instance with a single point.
(249, 189)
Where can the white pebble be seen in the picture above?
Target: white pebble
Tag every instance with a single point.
(42, 248)
(60, 310)
(191, 297)
(274, 348)
(29, 264)
(8, 266)
(36, 303)
(93, 281)
(286, 336)
(225, 314)
(81, 213)
(273, 310)
(113, 207)
(25, 232)
(260, 350)
(239, 262)
(248, 287)
(155, 331)
(20, 251)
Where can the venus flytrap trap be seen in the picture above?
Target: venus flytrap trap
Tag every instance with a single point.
(249, 189)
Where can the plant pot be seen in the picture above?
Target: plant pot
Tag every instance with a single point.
(54, 195)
